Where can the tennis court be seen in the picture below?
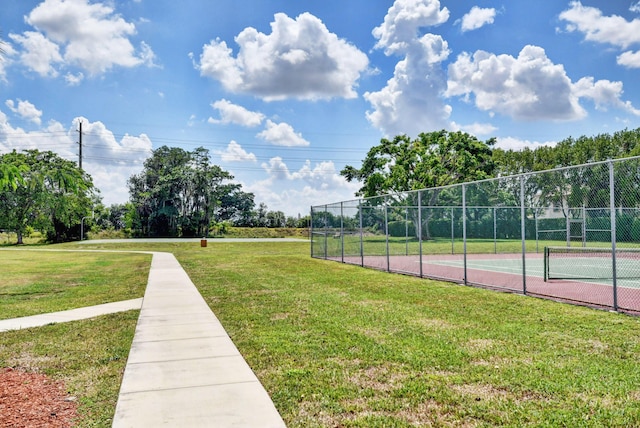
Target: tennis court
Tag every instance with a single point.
(504, 272)
(493, 233)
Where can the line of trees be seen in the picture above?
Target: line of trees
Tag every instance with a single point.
(443, 158)
(178, 193)
(181, 193)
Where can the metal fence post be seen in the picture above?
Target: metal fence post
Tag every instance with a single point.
(342, 231)
(361, 234)
(386, 231)
(311, 230)
(452, 232)
(326, 232)
(612, 205)
(406, 230)
(420, 230)
(535, 216)
(464, 231)
(523, 230)
(495, 233)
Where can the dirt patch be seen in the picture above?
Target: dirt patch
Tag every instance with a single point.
(481, 391)
(479, 345)
(34, 400)
(432, 324)
(379, 378)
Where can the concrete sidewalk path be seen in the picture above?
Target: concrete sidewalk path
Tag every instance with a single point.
(183, 369)
(70, 315)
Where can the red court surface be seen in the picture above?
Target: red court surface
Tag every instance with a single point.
(504, 272)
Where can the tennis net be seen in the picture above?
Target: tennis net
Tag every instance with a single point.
(590, 263)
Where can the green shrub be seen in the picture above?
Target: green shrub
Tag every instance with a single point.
(402, 228)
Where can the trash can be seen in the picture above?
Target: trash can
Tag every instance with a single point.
(203, 242)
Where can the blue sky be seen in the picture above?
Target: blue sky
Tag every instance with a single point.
(285, 93)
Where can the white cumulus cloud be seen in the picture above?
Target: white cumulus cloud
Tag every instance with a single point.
(604, 93)
(526, 87)
(8, 51)
(476, 18)
(110, 161)
(25, 110)
(411, 102)
(299, 59)
(282, 134)
(403, 20)
(479, 128)
(629, 59)
(74, 79)
(233, 113)
(511, 143)
(614, 30)
(38, 53)
(235, 153)
(310, 185)
(79, 33)
(596, 27)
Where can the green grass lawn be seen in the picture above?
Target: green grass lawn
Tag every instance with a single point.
(88, 355)
(36, 282)
(338, 345)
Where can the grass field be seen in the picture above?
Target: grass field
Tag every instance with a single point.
(338, 345)
(88, 355)
(36, 282)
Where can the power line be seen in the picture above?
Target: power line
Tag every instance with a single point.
(80, 147)
(185, 142)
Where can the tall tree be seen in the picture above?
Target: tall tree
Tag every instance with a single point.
(52, 193)
(236, 206)
(432, 160)
(179, 192)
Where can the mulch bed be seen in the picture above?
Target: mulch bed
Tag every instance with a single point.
(34, 400)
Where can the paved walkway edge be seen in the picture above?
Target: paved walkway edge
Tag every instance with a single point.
(183, 369)
(70, 315)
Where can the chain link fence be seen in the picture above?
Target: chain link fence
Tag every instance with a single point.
(571, 234)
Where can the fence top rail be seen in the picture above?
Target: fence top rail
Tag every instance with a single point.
(499, 178)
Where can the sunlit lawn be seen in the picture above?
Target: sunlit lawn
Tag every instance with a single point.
(339, 345)
(35, 282)
(88, 355)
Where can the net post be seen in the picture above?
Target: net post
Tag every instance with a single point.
(612, 206)
(545, 264)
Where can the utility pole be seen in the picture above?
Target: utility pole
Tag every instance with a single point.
(80, 147)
